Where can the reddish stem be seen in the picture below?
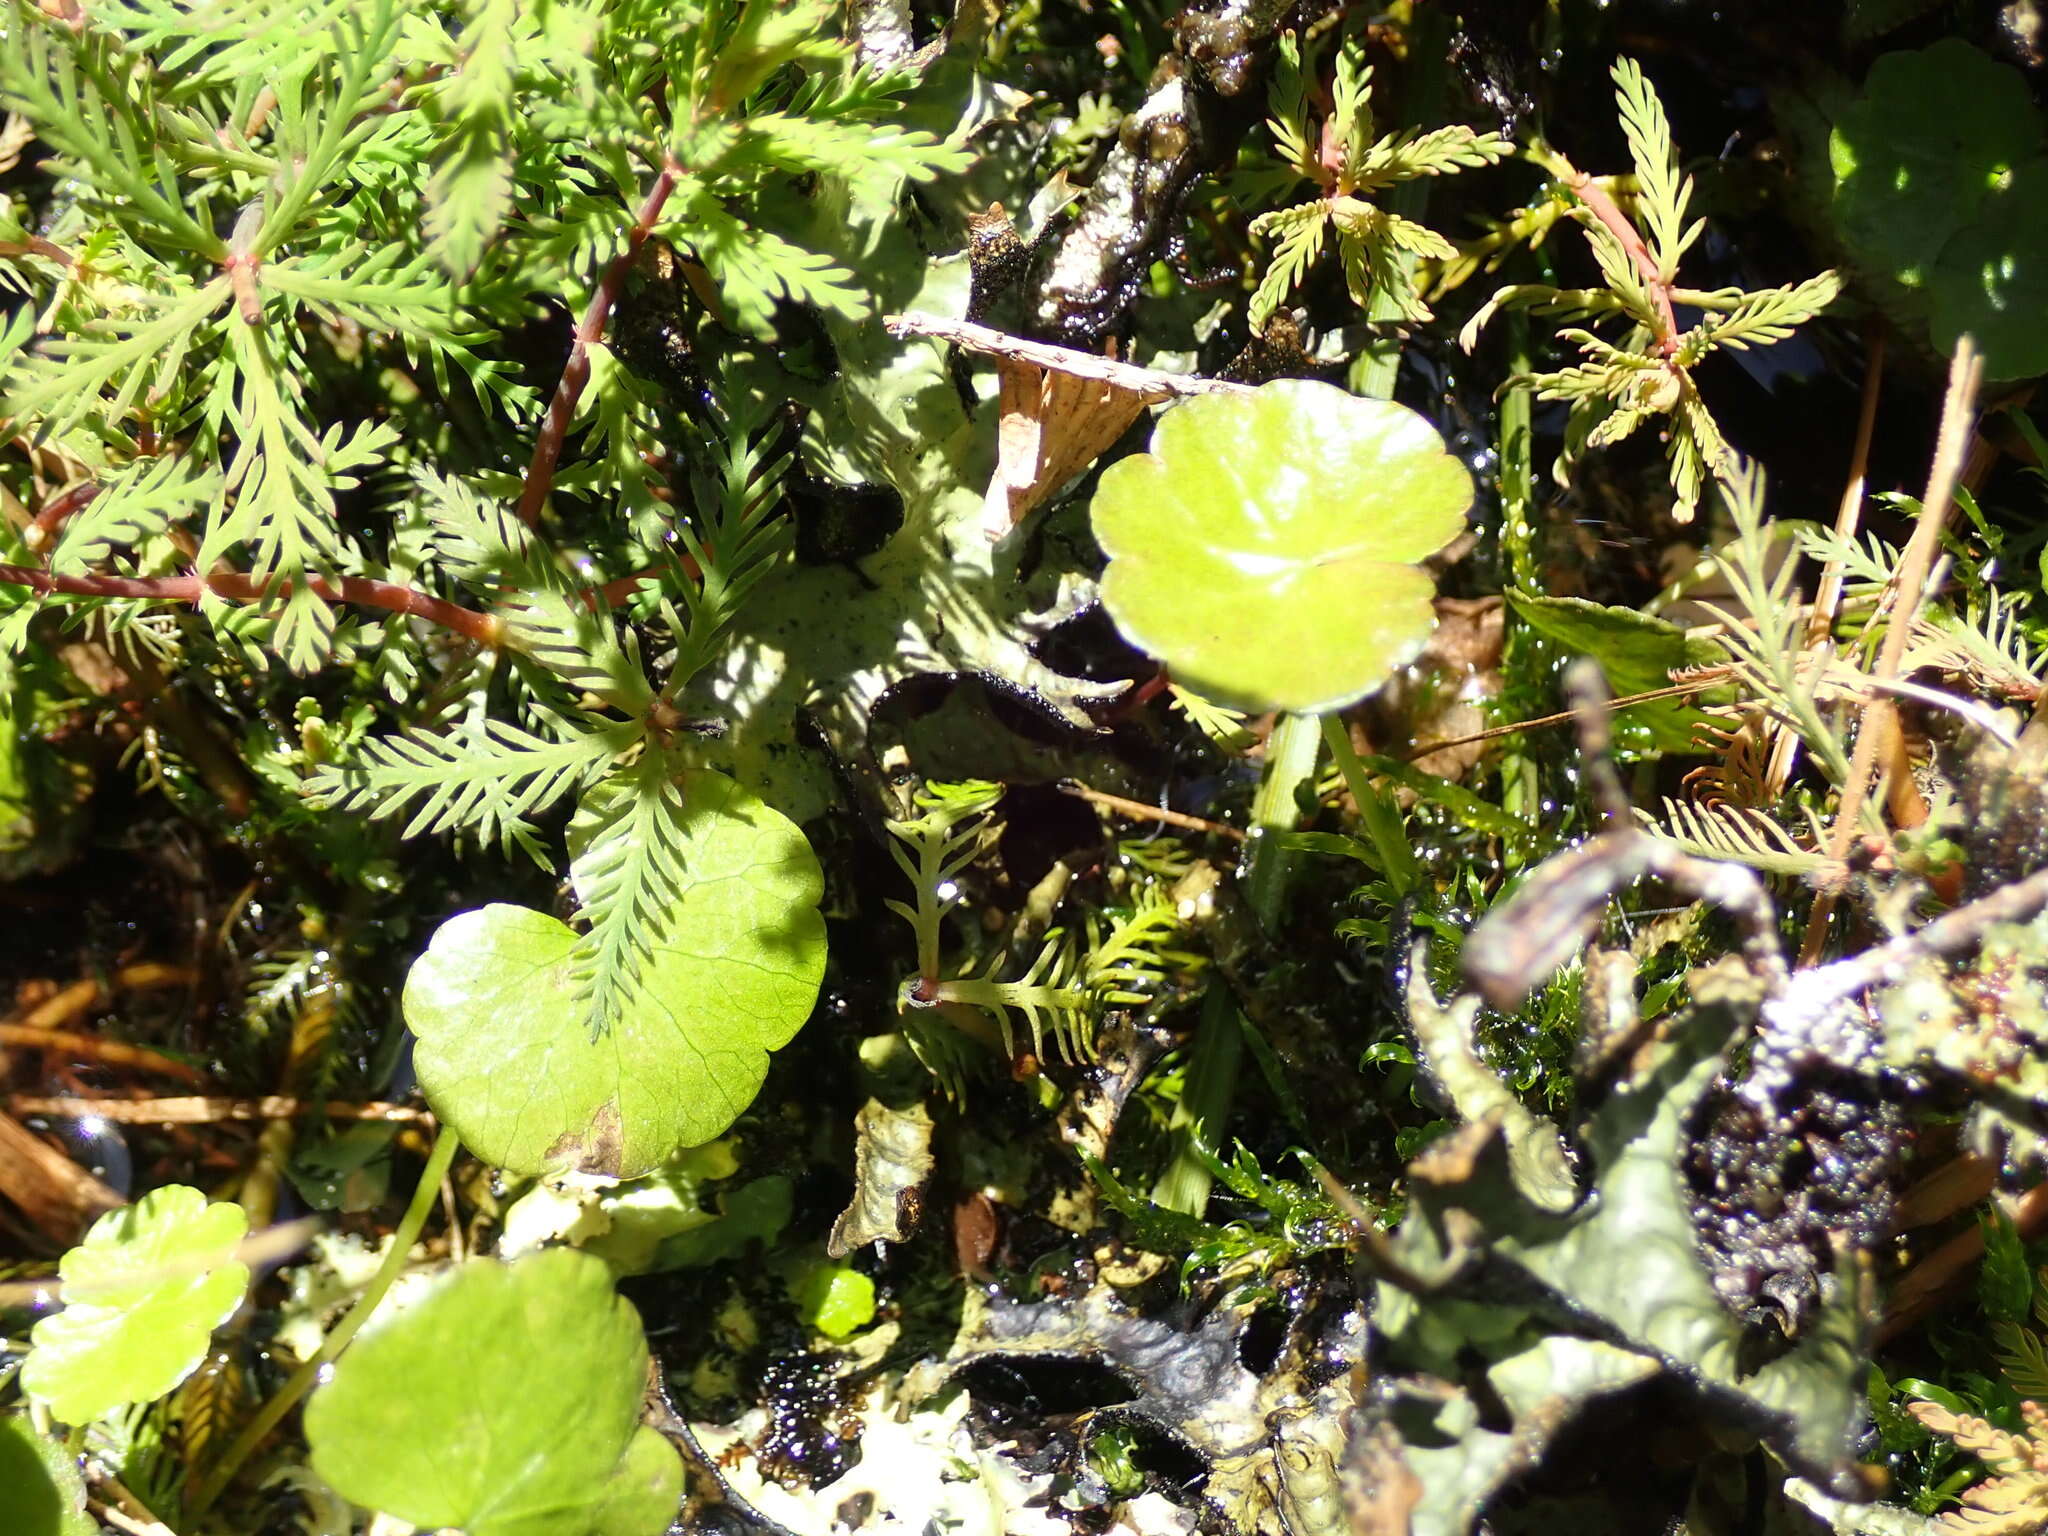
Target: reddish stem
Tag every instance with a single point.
(42, 533)
(547, 447)
(36, 245)
(613, 593)
(241, 588)
(1608, 212)
(361, 591)
(241, 267)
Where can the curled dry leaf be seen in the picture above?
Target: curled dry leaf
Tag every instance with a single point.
(892, 1159)
(1058, 409)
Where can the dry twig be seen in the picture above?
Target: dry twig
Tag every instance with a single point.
(1880, 722)
(203, 1109)
(1138, 810)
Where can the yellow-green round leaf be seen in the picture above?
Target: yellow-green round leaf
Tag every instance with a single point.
(143, 1294)
(505, 1401)
(507, 1054)
(836, 1299)
(1266, 547)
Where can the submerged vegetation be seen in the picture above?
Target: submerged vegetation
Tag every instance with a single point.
(812, 766)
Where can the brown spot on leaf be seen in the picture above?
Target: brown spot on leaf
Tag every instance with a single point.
(600, 1149)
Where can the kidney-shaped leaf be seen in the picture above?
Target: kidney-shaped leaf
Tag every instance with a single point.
(1265, 548)
(506, 1053)
(505, 1401)
(143, 1293)
(1938, 184)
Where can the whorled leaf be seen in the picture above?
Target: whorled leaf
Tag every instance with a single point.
(505, 1401)
(1266, 547)
(143, 1293)
(506, 1054)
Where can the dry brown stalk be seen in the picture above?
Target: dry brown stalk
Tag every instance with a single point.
(81, 997)
(1878, 729)
(1138, 810)
(113, 1052)
(203, 1109)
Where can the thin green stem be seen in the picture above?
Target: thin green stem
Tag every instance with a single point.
(1521, 786)
(1290, 763)
(1204, 1102)
(1219, 1038)
(1517, 473)
(303, 1379)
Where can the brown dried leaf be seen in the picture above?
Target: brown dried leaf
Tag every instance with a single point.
(892, 1161)
(1058, 409)
(1051, 427)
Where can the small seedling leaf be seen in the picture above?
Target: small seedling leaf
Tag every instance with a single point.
(506, 1401)
(143, 1294)
(836, 1299)
(1265, 548)
(506, 1054)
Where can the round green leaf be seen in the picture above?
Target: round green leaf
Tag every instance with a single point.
(1938, 182)
(836, 1299)
(1917, 155)
(506, 1401)
(41, 1493)
(143, 1293)
(1265, 548)
(506, 1054)
(1992, 280)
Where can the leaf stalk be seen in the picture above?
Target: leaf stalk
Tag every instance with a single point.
(304, 1378)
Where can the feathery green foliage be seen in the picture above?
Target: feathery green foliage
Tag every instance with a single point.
(436, 431)
(1073, 976)
(1337, 153)
(276, 211)
(1618, 388)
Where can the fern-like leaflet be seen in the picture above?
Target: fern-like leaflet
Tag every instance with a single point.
(626, 845)
(731, 545)
(1647, 376)
(1374, 244)
(486, 777)
(1073, 976)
